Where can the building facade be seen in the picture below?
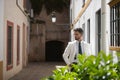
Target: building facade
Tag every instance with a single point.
(14, 28)
(95, 17)
(48, 39)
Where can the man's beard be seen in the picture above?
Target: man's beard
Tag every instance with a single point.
(76, 38)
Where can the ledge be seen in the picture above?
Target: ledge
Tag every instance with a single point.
(113, 2)
(114, 48)
(85, 6)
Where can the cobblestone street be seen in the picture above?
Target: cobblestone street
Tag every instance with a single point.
(36, 71)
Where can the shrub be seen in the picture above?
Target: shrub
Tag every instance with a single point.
(99, 67)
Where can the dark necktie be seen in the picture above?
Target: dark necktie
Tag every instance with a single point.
(80, 49)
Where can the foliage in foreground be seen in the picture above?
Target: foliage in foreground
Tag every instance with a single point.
(99, 67)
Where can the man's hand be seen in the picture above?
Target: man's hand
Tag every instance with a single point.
(70, 65)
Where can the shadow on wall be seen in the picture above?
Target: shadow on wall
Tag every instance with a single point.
(54, 50)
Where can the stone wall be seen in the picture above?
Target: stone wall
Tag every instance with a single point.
(42, 33)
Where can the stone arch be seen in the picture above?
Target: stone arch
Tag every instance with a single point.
(54, 50)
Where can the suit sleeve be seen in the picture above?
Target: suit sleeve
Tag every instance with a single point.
(66, 54)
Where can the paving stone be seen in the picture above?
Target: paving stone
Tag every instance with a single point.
(37, 71)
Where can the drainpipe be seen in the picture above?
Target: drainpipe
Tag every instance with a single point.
(21, 8)
(105, 25)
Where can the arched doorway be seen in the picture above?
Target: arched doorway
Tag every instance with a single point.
(54, 50)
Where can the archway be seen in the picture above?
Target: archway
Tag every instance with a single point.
(54, 50)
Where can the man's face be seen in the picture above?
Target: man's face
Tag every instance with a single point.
(78, 36)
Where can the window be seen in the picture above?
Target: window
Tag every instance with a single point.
(83, 3)
(9, 45)
(88, 30)
(83, 27)
(18, 45)
(115, 25)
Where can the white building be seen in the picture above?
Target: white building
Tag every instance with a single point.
(100, 20)
(14, 26)
(94, 17)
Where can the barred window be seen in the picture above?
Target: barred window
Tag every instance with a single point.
(115, 25)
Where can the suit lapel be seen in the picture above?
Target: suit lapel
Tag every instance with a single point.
(73, 50)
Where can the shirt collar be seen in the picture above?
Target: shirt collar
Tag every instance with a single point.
(78, 41)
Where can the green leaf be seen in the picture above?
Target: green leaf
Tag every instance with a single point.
(99, 67)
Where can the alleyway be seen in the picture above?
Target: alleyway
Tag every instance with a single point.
(36, 71)
(36, 31)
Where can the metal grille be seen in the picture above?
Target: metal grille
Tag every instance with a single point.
(115, 25)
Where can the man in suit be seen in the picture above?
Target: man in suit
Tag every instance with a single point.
(76, 47)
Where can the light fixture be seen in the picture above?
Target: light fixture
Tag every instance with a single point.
(53, 17)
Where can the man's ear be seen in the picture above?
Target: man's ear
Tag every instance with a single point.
(81, 38)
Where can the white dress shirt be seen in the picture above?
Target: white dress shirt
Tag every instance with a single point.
(72, 50)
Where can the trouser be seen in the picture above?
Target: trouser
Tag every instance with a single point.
(72, 69)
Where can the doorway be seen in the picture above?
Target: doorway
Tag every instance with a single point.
(54, 50)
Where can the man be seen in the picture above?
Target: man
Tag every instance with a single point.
(76, 47)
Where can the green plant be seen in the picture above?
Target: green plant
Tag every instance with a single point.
(99, 67)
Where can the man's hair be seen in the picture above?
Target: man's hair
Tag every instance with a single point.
(80, 30)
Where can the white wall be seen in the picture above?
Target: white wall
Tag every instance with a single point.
(15, 15)
(1, 28)
(90, 13)
(94, 6)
